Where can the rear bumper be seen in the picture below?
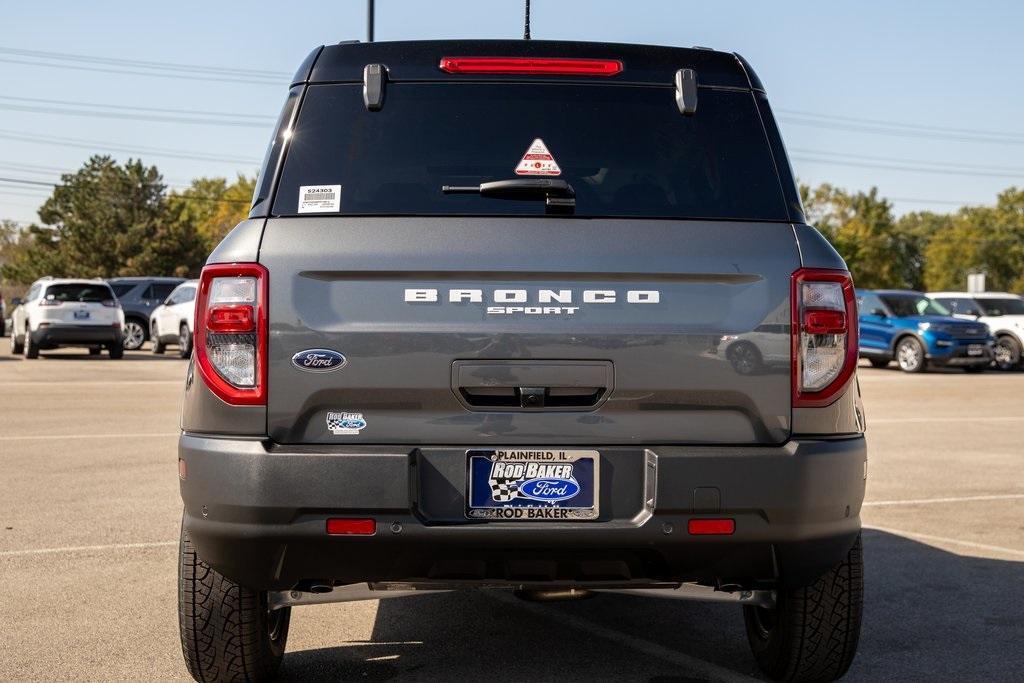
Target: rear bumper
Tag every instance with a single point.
(55, 335)
(257, 511)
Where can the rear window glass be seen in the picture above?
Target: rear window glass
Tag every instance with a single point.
(625, 150)
(908, 305)
(1002, 306)
(159, 290)
(122, 289)
(87, 293)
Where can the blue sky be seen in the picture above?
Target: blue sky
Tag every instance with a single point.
(921, 99)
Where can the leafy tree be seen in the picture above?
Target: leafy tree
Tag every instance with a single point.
(106, 220)
(213, 206)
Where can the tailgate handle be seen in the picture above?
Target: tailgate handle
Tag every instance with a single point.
(532, 385)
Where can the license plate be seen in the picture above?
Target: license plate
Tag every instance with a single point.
(81, 315)
(532, 485)
(975, 350)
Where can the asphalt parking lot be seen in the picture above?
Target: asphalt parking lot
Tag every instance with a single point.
(89, 515)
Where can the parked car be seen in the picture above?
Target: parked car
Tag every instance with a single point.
(1002, 312)
(463, 341)
(172, 321)
(67, 312)
(139, 296)
(918, 332)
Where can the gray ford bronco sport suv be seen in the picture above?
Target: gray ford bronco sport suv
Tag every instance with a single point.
(471, 336)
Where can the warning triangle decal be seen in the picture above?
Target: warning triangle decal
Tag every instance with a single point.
(538, 161)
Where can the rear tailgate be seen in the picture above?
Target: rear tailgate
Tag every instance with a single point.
(364, 287)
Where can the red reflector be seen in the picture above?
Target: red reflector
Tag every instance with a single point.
(530, 65)
(182, 469)
(233, 318)
(351, 527)
(824, 322)
(711, 527)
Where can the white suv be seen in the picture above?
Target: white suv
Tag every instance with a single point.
(1002, 312)
(67, 312)
(172, 321)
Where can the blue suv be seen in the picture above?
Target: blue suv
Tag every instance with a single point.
(917, 332)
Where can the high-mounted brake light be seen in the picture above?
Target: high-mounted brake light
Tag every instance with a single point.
(824, 335)
(531, 66)
(231, 331)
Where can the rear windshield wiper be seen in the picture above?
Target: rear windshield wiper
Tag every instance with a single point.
(557, 194)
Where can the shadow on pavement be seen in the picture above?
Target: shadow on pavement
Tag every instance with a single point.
(929, 614)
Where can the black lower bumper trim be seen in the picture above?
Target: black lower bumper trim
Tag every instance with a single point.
(257, 513)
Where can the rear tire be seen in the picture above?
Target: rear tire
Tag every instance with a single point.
(879, 363)
(1007, 353)
(184, 341)
(227, 631)
(811, 634)
(30, 349)
(910, 355)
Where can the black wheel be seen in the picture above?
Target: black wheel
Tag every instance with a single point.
(879, 362)
(30, 349)
(17, 346)
(94, 350)
(228, 633)
(116, 351)
(745, 358)
(910, 355)
(134, 334)
(184, 341)
(811, 634)
(1007, 353)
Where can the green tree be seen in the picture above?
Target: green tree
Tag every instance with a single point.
(106, 220)
(212, 206)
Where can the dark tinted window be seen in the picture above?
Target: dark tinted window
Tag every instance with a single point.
(93, 293)
(963, 305)
(120, 289)
(1005, 306)
(273, 153)
(159, 290)
(627, 151)
(907, 305)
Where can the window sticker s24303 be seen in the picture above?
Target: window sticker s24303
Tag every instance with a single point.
(319, 198)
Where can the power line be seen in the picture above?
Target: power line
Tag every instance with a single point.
(899, 132)
(175, 66)
(130, 117)
(911, 169)
(94, 146)
(897, 124)
(159, 110)
(901, 160)
(181, 194)
(155, 74)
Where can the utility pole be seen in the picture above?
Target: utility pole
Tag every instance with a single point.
(369, 21)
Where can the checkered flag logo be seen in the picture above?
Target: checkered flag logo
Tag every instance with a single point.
(503, 489)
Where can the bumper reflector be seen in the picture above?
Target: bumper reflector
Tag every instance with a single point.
(351, 527)
(711, 527)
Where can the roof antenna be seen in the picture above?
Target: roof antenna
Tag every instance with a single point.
(369, 21)
(526, 27)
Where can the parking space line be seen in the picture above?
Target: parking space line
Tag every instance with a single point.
(693, 665)
(949, 541)
(952, 418)
(40, 437)
(85, 383)
(86, 548)
(930, 501)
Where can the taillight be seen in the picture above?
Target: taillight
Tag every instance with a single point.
(531, 66)
(110, 303)
(231, 331)
(824, 335)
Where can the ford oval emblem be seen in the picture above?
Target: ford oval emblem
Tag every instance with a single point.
(319, 360)
(549, 489)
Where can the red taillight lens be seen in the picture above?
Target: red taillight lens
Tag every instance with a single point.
(711, 527)
(231, 318)
(231, 331)
(824, 334)
(531, 66)
(351, 527)
(110, 303)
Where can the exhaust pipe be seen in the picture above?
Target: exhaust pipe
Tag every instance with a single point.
(552, 594)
